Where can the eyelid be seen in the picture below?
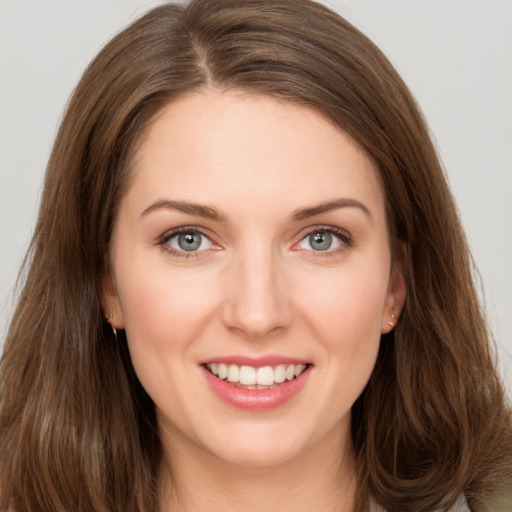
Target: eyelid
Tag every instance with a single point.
(163, 239)
(342, 234)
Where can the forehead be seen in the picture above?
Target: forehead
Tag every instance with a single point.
(210, 145)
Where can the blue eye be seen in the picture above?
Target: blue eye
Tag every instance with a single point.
(189, 241)
(321, 240)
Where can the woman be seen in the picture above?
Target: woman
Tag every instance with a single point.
(248, 285)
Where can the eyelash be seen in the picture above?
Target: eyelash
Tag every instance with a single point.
(344, 236)
(163, 241)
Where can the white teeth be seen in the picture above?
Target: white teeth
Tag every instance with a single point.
(280, 373)
(249, 376)
(299, 369)
(265, 376)
(233, 373)
(223, 371)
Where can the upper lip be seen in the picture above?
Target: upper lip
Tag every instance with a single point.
(256, 362)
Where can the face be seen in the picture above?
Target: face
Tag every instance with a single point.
(253, 276)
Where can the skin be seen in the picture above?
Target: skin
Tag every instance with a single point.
(256, 287)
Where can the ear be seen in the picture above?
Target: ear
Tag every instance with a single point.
(110, 303)
(395, 298)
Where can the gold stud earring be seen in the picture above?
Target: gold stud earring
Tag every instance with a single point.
(393, 323)
(114, 330)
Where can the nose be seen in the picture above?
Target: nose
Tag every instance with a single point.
(257, 302)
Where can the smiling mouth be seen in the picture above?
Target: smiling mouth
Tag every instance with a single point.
(248, 377)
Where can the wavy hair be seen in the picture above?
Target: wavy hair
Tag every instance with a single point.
(77, 431)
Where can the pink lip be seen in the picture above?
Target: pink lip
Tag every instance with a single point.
(256, 399)
(256, 362)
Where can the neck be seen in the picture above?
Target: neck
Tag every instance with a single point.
(320, 478)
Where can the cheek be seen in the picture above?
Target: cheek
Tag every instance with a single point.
(165, 312)
(345, 312)
(348, 304)
(160, 306)
(346, 319)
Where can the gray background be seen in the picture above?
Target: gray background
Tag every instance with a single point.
(456, 56)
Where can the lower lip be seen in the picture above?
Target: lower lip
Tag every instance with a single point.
(256, 399)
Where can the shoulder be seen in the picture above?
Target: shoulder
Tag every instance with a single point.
(460, 506)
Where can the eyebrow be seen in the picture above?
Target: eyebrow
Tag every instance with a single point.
(207, 212)
(211, 213)
(311, 211)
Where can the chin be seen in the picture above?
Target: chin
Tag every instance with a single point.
(256, 455)
(254, 445)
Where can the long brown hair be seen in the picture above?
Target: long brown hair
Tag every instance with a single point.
(78, 432)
